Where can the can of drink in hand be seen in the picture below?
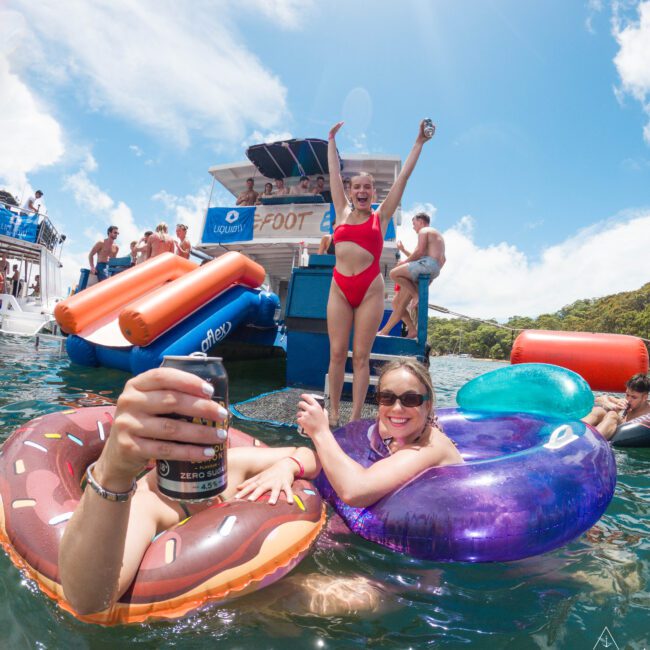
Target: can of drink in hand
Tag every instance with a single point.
(198, 481)
(429, 128)
(321, 402)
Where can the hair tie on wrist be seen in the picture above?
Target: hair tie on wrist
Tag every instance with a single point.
(301, 467)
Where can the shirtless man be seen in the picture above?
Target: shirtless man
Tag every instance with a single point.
(249, 195)
(160, 241)
(302, 188)
(427, 259)
(280, 188)
(183, 246)
(610, 412)
(104, 250)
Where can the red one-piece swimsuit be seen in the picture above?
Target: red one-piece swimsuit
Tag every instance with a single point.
(368, 236)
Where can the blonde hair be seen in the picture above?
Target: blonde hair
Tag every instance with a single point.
(161, 227)
(364, 175)
(418, 370)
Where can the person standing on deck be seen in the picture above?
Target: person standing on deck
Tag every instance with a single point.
(15, 281)
(356, 297)
(104, 250)
(249, 195)
(31, 202)
(160, 241)
(183, 245)
(427, 259)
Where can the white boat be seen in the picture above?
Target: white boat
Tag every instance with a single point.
(33, 243)
(281, 228)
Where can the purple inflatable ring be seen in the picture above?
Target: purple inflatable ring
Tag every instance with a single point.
(529, 484)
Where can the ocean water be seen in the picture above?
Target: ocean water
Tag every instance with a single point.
(563, 599)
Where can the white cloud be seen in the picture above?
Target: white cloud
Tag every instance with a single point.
(173, 68)
(31, 138)
(633, 58)
(95, 201)
(256, 137)
(189, 210)
(499, 280)
(289, 14)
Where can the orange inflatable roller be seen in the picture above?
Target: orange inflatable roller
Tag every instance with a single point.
(606, 361)
(146, 319)
(78, 311)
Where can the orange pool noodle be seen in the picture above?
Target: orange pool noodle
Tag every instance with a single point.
(144, 320)
(606, 361)
(78, 311)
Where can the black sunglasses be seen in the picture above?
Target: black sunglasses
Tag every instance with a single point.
(408, 399)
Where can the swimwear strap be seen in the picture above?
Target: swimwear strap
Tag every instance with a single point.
(301, 467)
(108, 494)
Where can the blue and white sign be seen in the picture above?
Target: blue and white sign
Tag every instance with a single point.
(226, 225)
(18, 226)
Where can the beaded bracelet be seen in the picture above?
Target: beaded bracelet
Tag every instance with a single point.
(301, 473)
(108, 494)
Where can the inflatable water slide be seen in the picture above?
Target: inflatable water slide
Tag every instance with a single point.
(166, 306)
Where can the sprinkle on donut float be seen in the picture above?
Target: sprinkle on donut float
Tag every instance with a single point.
(221, 553)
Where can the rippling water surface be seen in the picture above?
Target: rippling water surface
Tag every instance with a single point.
(563, 599)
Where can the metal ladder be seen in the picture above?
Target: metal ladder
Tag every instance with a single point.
(348, 376)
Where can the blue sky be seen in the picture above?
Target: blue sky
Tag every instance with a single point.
(538, 175)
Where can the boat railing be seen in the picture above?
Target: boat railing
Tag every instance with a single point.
(46, 235)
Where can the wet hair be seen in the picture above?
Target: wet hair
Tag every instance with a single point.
(111, 229)
(148, 232)
(423, 216)
(161, 227)
(639, 383)
(418, 370)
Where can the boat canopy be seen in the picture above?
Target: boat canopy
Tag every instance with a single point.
(290, 158)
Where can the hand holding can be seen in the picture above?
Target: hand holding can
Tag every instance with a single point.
(320, 400)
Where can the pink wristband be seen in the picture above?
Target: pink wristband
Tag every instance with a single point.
(301, 473)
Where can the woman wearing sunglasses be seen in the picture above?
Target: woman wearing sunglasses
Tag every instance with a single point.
(407, 437)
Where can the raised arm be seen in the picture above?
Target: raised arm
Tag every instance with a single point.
(390, 203)
(336, 182)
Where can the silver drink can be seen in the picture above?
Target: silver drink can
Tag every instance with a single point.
(429, 128)
(189, 481)
(321, 401)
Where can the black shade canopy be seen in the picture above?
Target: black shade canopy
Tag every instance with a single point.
(290, 158)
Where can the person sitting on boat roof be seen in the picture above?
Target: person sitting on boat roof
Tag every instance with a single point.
(183, 245)
(280, 187)
(160, 241)
(320, 189)
(118, 517)
(104, 250)
(347, 184)
(356, 295)
(610, 412)
(427, 259)
(249, 195)
(30, 204)
(302, 188)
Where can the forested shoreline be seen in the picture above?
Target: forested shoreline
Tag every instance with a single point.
(621, 313)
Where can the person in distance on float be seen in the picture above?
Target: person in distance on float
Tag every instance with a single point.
(356, 298)
(113, 535)
(160, 241)
(610, 412)
(183, 247)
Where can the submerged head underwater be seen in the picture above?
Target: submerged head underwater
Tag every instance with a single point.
(349, 591)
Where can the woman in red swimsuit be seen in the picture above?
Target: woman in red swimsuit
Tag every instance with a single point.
(357, 291)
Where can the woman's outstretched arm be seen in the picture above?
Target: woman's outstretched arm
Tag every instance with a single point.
(390, 203)
(104, 540)
(336, 182)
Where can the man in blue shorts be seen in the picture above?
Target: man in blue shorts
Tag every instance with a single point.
(104, 251)
(428, 258)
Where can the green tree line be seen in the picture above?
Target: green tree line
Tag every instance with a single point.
(622, 313)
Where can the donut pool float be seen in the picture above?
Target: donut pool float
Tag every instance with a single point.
(635, 433)
(530, 483)
(223, 552)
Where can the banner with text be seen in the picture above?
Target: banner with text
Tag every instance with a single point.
(227, 225)
(18, 226)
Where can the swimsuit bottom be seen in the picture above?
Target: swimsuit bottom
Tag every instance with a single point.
(354, 287)
(424, 266)
(102, 271)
